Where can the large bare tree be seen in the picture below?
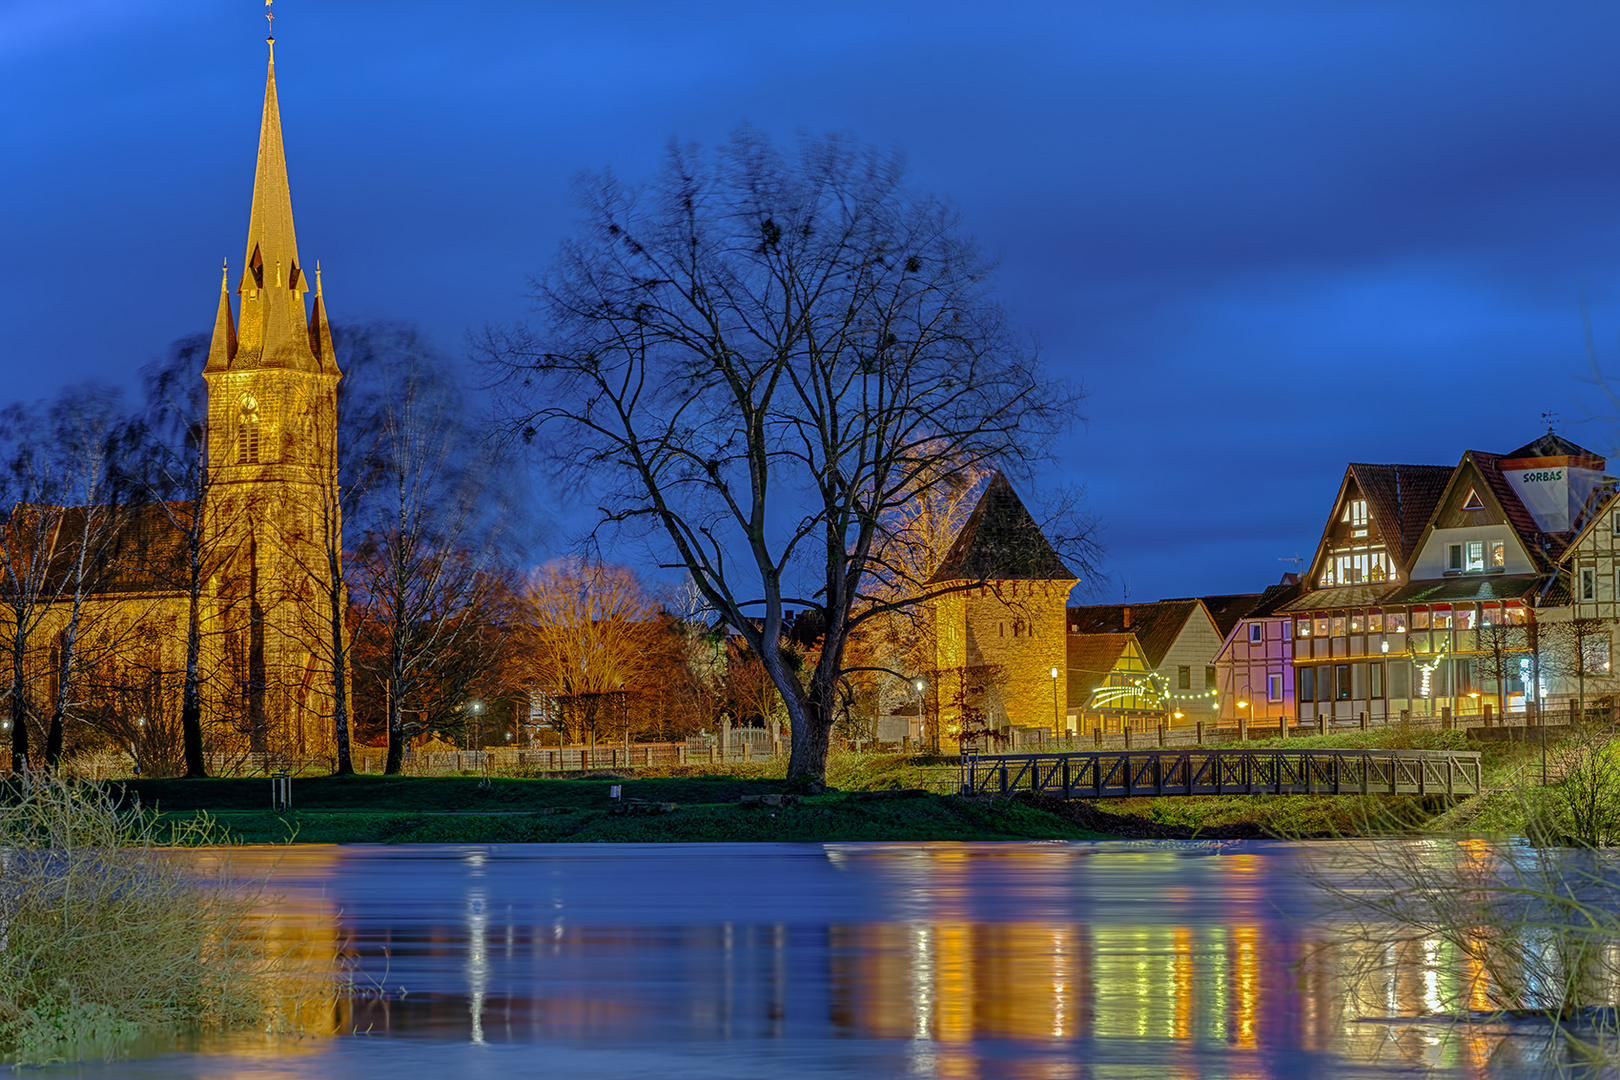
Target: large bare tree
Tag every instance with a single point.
(757, 358)
(424, 493)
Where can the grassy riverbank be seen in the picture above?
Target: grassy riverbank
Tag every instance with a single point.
(879, 800)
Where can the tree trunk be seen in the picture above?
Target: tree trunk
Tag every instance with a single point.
(396, 734)
(340, 681)
(19, 707)
(191, 689)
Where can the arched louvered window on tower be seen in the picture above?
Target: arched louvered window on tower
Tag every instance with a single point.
(247, 432)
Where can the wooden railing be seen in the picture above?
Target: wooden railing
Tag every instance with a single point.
(1136, 774)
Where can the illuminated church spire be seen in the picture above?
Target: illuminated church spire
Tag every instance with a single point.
(273, 329)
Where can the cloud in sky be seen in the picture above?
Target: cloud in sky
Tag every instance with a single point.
(1268, 237)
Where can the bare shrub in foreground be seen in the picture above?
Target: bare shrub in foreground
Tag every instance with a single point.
(103, 934)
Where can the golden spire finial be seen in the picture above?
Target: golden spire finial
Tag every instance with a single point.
(270, 29)
(225, 276)
(317, 277)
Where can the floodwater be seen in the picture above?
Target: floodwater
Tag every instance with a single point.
(1044, 961)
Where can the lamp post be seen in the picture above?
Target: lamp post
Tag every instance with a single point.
(922, 726)
(1057, 716)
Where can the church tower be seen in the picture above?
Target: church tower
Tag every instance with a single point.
(272, 507)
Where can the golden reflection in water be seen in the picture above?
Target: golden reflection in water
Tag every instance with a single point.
(296, 933)
(942, 981)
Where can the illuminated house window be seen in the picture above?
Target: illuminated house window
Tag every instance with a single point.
(247, 432)
(1320, 629)
(1476, 555)
(1498, 554)
(1304, 628)
(1355, 514)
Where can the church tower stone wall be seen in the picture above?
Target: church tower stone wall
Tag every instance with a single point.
(272, 508)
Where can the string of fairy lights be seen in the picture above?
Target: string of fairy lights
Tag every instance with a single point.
(1152, 686)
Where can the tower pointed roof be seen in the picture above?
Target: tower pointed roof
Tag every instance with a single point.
(1001, 542)
(222, 349)
(270, 228)
(273, 329)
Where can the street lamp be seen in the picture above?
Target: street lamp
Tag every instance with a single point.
(922, 726)
(1057, 716)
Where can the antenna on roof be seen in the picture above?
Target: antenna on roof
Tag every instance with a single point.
(1295, 558)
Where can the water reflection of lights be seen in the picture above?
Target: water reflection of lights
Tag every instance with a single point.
(477, 961)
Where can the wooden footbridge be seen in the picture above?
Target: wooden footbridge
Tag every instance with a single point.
(1128, 774)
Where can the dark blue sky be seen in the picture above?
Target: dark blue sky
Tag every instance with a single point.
(1269, 238)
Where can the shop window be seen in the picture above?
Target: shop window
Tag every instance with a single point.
(1274, 688)
(1338, 626)
(1400, 679)
(1303, 628)
(1320, 628)
(1358, 623)
(1490, 615)
(1440, 618)
(1341, 682)
(1306, 690)
(1395, 622)
(1375, 622)
(1420, 618)
(1375, 680)
(1463, 618)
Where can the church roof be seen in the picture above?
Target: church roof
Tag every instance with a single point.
(1001, 542)
(272, 329)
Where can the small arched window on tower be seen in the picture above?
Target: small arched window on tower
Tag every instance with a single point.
(247, 432)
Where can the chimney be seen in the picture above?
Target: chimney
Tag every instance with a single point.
(1126, 616)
